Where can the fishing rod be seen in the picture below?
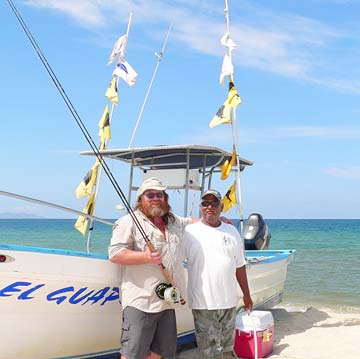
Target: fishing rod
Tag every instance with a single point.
(91, 143)
(53, 205)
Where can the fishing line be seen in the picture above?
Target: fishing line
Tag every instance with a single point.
(81, 125)
(92, 144)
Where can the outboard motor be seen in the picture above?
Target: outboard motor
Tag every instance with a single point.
(256, 233)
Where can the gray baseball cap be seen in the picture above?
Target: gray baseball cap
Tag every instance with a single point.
(213, 193)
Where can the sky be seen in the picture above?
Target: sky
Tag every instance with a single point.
(297, 70)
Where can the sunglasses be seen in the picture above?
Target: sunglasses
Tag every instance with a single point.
(152, 195)
(214, 203)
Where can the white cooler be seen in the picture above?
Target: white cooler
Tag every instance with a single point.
(263, 324)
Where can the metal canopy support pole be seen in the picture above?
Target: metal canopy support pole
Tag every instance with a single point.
(187, 182)
(131, 177)
(203, 180)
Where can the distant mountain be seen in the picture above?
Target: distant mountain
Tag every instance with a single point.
(16, 215)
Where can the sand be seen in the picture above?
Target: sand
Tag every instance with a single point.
(310, 334)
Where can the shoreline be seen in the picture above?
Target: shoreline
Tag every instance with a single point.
(311, 333)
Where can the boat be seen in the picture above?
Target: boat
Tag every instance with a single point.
(58, 303)
(74, 296)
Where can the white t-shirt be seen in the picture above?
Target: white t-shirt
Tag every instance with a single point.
(212, 255)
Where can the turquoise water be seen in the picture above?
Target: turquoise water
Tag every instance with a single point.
(325, 272)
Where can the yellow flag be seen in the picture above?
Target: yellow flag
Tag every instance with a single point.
(84, 189)
(222, 116)
(229, 200)
(82, 222)
(224, 113)
(227, 166)
(104, 125)
(102, 145)
(233, 96)
(111, 92)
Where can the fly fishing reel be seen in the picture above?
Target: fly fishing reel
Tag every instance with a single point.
(168, 293)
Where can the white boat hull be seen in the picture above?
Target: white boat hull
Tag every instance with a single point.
(61, 304)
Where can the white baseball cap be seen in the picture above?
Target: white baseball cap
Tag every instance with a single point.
(150, 183)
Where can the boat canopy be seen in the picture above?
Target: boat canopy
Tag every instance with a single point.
(171, 157)
(180, 167)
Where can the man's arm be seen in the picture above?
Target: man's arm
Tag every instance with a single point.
(129, 257)
(243, 283)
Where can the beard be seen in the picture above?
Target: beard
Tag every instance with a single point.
(156, 211)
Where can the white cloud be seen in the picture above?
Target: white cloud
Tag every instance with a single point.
(351, 172)
(282, 43)
(86, 12)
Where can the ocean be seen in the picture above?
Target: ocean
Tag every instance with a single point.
(325, 272)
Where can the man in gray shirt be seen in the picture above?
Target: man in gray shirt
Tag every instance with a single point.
(149, 324)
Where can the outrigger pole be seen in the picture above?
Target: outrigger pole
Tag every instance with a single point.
(159, 56)
(234, 128)
(88, 138)
(91, 224)
(53, 205)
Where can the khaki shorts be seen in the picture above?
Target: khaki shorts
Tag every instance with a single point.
(143, 333)
(215, 331)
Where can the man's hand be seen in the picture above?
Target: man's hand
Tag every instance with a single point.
(152, 257)
(226, 220)
(247, 302)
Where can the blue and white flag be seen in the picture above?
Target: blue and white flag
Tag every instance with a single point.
(126, 72)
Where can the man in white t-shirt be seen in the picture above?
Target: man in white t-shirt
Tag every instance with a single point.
(216, 267)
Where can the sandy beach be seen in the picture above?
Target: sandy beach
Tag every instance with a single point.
(310, 334)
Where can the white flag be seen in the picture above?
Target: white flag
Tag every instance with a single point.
(227, 68)
(118, 48)
(227, 42)
(126, 72)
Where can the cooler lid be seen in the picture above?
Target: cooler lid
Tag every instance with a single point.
(262, 320)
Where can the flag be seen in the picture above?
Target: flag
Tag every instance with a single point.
(82, 222)
(126, 72)
(118, 49)
(229, 200)
(102, 145)
(84, 189)
(228, 42)
(223, 115)
(227, 68)
(233, 96)
(104, 125)
(111, 92)
(227, 166)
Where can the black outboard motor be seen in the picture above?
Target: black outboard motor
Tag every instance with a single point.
(256, 232)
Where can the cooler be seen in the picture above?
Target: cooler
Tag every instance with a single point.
(263, 322)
